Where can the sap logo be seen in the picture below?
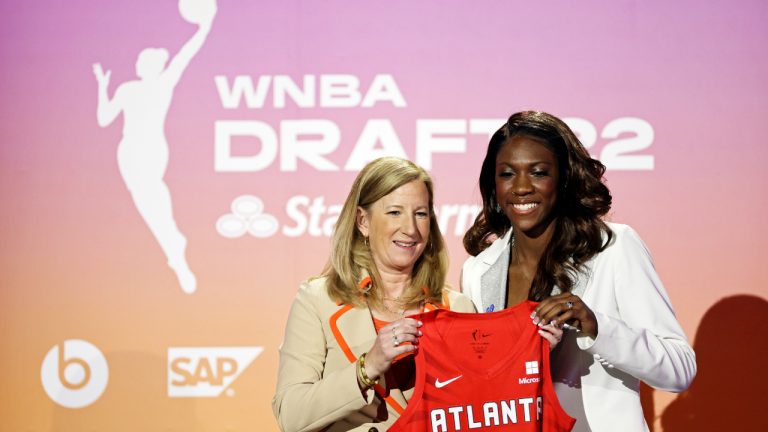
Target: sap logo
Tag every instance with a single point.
(206, 372)
(74, 374)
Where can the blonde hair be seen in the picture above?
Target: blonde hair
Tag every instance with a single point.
(351, 261)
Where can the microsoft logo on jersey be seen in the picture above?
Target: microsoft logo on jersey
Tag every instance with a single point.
(208, 371)
(531, 368)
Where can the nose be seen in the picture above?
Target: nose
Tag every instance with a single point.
(409, 225)
(522, 185)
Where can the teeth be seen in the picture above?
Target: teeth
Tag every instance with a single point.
(405, 244)
(525, 207)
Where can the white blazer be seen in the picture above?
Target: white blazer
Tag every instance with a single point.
(639, 338)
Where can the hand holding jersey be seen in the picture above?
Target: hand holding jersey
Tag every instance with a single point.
(478, 371)
(566, 308)
(394, 340)
(552, 332)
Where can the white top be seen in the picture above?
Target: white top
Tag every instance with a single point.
(639, 338)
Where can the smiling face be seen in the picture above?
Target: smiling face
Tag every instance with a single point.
(397, 227)
(526, 184)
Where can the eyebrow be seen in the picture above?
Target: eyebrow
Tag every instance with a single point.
(540, 162)
(400, 206)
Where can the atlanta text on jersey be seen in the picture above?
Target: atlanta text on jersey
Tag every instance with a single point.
(493, 414)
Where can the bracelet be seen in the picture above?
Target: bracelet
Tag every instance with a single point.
(362, 376)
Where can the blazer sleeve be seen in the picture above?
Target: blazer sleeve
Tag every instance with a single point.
(644, 339)
(307, 398)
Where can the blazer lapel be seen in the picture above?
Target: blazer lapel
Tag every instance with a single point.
(354, 332)
(493, 278)
(353, 329)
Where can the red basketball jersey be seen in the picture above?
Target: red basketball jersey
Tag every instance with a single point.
(483, 371)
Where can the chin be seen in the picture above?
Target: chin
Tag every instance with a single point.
(531, 229)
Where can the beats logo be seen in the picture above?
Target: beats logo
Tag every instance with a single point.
(74, 373)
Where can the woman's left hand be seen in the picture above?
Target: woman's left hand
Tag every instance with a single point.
(566, 308)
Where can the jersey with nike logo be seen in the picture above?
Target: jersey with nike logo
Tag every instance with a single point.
(482, 371)
(439, 384)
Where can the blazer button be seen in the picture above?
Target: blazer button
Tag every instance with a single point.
(373, 429)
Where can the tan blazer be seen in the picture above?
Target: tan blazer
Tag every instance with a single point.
(317, 381)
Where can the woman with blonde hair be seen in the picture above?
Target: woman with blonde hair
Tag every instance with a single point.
(345, 362)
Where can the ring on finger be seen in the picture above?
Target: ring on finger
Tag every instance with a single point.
(395, 340)
(569, 304)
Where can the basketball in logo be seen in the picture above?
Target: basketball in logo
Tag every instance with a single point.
(197, 11)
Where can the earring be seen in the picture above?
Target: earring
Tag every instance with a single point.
(495, 204)
(365, 240)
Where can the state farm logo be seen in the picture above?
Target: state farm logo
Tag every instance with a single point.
(207, 372)
(74, 373)
(247, 216)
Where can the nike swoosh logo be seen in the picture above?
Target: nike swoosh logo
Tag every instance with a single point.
(442, 384)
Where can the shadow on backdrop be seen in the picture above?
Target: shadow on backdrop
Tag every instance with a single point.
(728, 392)
(646, 400)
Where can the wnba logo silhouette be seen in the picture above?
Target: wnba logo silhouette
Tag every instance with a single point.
(74, 374)
(142, 154)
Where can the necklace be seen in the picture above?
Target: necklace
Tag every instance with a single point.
(399, 312)
(398, 301)
(512, 249)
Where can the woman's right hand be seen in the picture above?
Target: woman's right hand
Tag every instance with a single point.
(389, 345)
